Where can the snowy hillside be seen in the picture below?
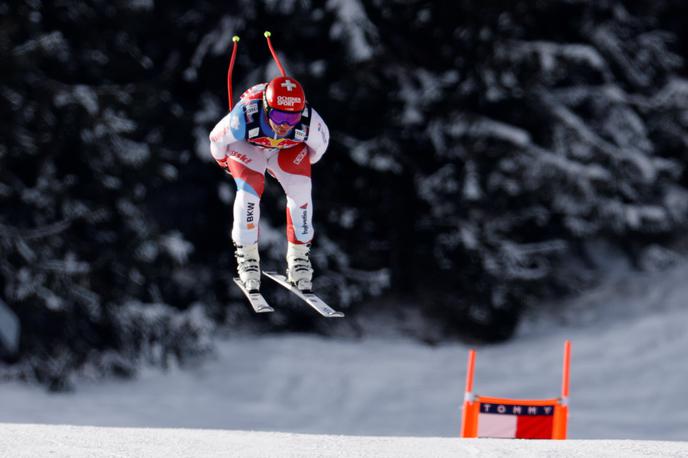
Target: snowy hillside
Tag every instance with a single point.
(90, 442)
(627, 377)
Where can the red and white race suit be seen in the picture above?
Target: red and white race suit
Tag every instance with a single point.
(244, 144)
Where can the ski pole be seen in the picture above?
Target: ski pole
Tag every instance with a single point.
(274, 54)
(235, 39)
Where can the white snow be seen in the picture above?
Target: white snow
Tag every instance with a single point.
(39, 440)
(9, 328)
(217, 41)
(486, 127)
(354, 23)
(81, 94)
(53, 42)
(549, 52)
(628, 388)
(176, 246)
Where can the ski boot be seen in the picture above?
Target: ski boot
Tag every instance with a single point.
(248, 266)
(299, 270)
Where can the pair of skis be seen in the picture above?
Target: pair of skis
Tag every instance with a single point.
(260, 305)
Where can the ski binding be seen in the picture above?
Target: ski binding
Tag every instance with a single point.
(256, 299)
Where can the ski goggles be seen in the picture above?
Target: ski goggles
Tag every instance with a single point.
(284, 117)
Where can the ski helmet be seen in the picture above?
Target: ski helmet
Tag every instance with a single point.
(284, 93)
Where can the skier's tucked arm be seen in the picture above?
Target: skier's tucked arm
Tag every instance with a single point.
(230, 129)
(318, 137)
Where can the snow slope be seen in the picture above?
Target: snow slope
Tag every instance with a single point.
(20, 441)
(628, 381)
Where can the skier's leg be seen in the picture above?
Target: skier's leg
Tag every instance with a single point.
(247, 165)
(292, 169)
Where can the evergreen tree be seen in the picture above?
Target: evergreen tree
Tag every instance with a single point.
(81, 153)
(522, 141)
(477, 149)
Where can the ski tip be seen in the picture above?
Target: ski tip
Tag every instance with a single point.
(329, 312)
(267, 34)
(235, 38)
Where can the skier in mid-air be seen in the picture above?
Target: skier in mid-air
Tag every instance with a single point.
(271, 128)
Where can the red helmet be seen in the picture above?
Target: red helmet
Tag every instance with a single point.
(284, 93)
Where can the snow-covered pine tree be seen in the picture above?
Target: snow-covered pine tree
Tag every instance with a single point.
(80, 155)
(523, 140)
(475, 151)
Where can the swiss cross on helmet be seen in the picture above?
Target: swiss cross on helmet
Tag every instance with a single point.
(284, 93)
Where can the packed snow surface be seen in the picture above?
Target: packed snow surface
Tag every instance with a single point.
(628, 388)
(90, 442)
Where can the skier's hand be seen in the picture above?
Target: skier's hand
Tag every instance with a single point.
(224, 163)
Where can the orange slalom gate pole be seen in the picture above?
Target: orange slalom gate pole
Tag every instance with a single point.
(565, 375)
(469, 427)
(561, 412)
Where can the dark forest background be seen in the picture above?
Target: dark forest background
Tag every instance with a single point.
(481, 154)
